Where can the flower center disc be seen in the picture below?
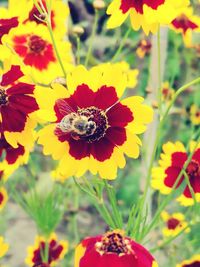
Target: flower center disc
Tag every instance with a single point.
(193, 169)
(114, 242)
(94, 121)
(172, 223)
(3, 97)
(36, 44)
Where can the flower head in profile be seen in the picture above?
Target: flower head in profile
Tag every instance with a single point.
(186, 23)
(3, 198)
(174, 224)
(17, 105)
(92, 128)
(143, 48)
(171, 163)
(112, 249)
(195, 114)
(147, 14)
(56, 251)
(3, 247)
(193, 262)
(167, 92)
(32, 45)
(30, 13)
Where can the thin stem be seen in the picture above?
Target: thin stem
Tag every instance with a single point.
(159, 73)
(122, 42)
(92, 38)
(78, 50)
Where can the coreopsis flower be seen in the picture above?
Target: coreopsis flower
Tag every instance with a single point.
(112, 249)
(143, 48)
(56, 251)
(32, 45)
(186, 23)
(3, 247)
(195, 115)
(167, 92)
(3, 197)
(92, 128)
(17, 105)
(174, 223)
(12, 157)
(146, 14)
(30, 13)
(193, 262)
(170, 165)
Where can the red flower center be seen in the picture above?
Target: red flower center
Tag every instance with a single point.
(194, 264)
(197, 114)
(36, 44)
(183, 22)
(193, 169)
(3, 97)
(113, 242)
(138, 5)
(173, 223)
(88, 124)
(1, 198)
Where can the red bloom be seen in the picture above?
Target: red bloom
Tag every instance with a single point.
(6, 25)
(16, 101)
(184, 23)
(112, 249)
(139, 4)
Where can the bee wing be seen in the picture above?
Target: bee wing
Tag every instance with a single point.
(58, 131)
(64, 107)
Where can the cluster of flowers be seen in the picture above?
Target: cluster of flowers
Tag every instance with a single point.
(86, 125)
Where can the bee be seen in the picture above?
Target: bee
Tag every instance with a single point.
(74, 123)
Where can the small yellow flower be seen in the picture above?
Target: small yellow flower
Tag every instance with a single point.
(195, 114)
(193, 262)
(174, 224)
(3, 247)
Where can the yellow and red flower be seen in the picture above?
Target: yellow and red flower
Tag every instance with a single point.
(193, 262)
(195, 115)
(143, 48)
(147, 14)
(3, 197)
(29, 13)
(17, 105)
(56, 251)
(175, 223)
(186, 23)
(6, 25)
(112, 249)
(167, 92)
(170, 165)
(91, 127)
(32, 45)
(3, 247)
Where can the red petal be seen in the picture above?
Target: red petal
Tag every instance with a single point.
(172, 175)
(102, 149)
(79, 149)
(11, 76)
(84, 96)
(23, 103)
(12, 154)
(105, 97)
(119, 115)
(116, 135)
(178, 159)
(21, 88)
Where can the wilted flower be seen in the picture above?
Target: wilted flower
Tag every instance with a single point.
(171, 163)
(112, 249)
(175, 223)
(56, 251)
(143, 48)
(146, 14)
(167, 92)
(92, 128)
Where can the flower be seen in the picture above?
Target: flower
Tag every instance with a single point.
(167, 92)
(147, 14)
(56, 251)
(175, 223)
(30, 13)
(186, 23)
(17, 102)
(92, 128)
(112, 249)
(143, 48)
(3, 247)
(193, 262)
(3, 200)
(170, 165)
(12, 158)
(6, 25)
(32, 45)
(195, 114)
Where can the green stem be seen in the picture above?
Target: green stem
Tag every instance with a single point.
(78, 50)
(122, 42)
(159, 73)
(92, 38)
